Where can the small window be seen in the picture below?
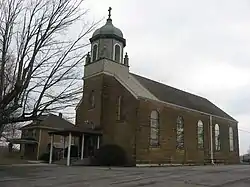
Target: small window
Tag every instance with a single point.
(231, 139)
(154, 128)
(94, 56)
(200, 134)
(119, 108)
(180, 133)
(25, 133)
(117, 56)
(92, 100)
(217, 137)
(34, 133)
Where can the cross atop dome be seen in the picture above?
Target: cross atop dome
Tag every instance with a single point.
(109, 16)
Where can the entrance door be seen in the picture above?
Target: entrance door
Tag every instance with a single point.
(90, 145)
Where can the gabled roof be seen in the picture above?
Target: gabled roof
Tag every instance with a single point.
(49, 121)
(178, 97)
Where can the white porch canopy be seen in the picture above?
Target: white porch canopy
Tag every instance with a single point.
(77, 132)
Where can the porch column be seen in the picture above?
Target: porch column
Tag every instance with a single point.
(51, 148)
(82, 149)
(69, 147)
(63, 146)
(98, 142)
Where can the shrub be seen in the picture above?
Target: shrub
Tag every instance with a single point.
(111, 155)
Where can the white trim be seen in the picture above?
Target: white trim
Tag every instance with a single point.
(120, 61)
(98, 142)
(51, 148)
(93, 52)
(160, 101)
(69, 149)
(82, 147)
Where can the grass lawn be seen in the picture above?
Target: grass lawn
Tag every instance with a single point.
(10, 161)
(7, 158)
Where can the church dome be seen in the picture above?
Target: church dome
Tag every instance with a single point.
(108, 29)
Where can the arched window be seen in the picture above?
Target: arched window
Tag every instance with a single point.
(119, 108)
(217, 137)
(94, 54)
(200, 134)
(117, 53)
(179, 133)
(231, 139)
(92, 99)
(154, 126)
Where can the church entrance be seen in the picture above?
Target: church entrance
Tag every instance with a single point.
(91, 144)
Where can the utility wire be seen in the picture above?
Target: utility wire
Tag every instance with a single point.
(244, 131)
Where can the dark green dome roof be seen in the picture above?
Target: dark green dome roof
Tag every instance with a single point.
(108, 29)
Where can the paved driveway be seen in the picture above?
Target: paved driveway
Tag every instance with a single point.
(61, 176)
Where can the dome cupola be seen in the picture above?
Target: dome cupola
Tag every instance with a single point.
(108, 31)
(107, 42)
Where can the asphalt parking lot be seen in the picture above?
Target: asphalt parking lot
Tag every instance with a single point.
(62, 176)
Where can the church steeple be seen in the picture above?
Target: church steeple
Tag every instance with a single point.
(107, 42)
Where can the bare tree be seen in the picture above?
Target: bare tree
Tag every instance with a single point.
(41, 54)
(11, 131)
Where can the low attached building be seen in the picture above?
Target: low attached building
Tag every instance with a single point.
(35, 137)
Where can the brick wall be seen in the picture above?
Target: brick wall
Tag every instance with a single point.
(136, 119)
(167, 152)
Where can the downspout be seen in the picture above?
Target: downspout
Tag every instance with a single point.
(211, 141)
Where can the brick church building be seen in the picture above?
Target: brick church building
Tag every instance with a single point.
(153, 122)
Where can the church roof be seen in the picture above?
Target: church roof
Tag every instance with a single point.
(175, 96)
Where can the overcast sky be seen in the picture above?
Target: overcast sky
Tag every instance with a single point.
(197, 46)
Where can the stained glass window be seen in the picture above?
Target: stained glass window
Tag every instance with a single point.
(179, 133)
(217, 137)
(231, 139)
(154, 126)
